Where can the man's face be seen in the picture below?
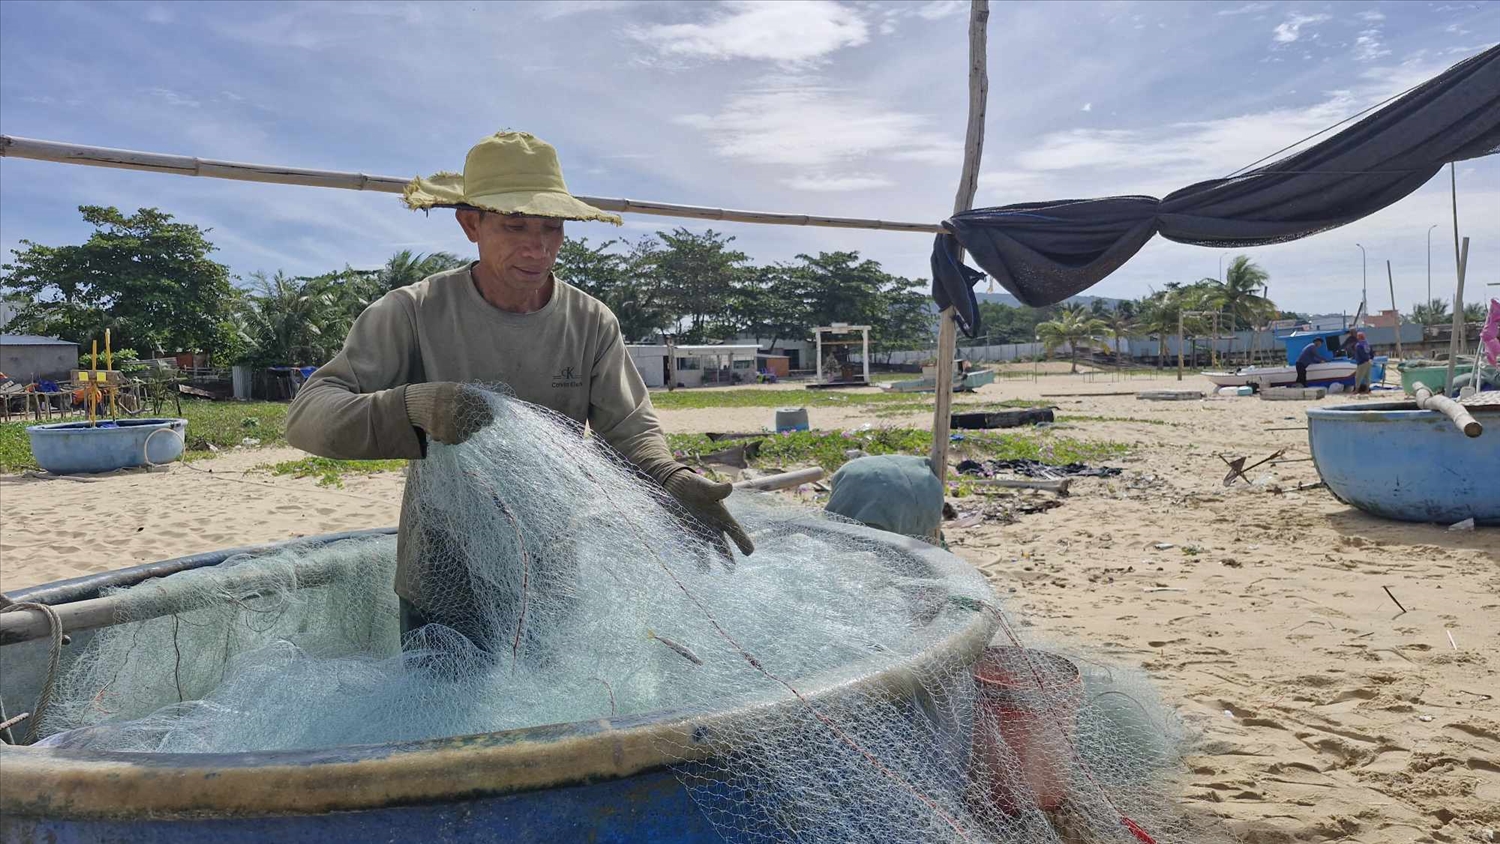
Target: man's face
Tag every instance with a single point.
(518, 251)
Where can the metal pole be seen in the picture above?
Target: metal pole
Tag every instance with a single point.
(1458, 321)
(979, 85)
(1429, 265)
(1364, 294)
(1390, 278)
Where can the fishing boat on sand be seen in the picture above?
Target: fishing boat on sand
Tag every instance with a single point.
(963, 382)
(1337, 368)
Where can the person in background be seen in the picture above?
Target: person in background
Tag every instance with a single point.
(1363, 360)
(1311, 354)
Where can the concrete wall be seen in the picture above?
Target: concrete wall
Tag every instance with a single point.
(23, 363)
(651, 362)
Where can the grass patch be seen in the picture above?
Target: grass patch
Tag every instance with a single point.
(221, 424)
(330, 472)
(826, 448)
(15, 448)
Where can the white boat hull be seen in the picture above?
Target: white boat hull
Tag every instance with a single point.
(1318, 375)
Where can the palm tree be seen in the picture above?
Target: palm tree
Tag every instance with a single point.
(1072, 326)
(1121, 324)
(1239, 296)
(1434, 312)
(407, 267)
(1475, 313)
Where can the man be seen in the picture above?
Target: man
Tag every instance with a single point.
(1363, 361)
(1311, 353)
(401, 377)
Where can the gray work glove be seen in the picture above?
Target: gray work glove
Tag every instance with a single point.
(447, 411)
(704, 500)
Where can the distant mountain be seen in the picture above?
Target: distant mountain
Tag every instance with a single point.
(1012, 301)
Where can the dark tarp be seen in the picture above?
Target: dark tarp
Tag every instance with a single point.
(1044, 252)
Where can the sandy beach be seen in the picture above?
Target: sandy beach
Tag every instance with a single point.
(1320, 710)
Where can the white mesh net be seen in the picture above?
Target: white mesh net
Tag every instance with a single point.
(560, 586)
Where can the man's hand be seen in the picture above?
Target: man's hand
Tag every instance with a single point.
(704, 500)
(448, 411)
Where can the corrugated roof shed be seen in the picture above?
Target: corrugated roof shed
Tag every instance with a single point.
(32, 340)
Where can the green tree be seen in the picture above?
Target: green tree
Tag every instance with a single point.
(146, 278)
(1121, 324)
(698, 274)
(1074, 326)
(906, 322)
(406, 267)
(771, 304)
(627, 282)
(1239, 296)
(1429, 314)
(1475, 313)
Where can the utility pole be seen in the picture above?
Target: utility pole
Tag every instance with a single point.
(1364, 293)
(1429, 264)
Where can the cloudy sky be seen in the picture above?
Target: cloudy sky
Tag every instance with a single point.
(848, 109)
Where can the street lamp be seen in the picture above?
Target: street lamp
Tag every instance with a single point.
(1429, 264)
(1363, 291)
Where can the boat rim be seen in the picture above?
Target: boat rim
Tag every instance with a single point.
(101, 784)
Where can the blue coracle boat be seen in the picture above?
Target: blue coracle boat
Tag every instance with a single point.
(1394, 460)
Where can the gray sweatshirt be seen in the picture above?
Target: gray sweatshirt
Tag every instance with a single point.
(568, 356)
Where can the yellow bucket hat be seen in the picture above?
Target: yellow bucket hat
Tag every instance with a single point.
(508, 173)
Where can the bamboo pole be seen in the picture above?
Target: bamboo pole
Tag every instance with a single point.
(968, 184)
(1449, 408)
(1456, 340)
(1392, 281)
(184, 165)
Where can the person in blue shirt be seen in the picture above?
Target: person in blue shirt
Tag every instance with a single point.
(1364, 360)
(1311, 353)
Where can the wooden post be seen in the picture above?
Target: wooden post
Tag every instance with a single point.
(1454, 342)
(1391, 279)
(865, 351)
(979, 85)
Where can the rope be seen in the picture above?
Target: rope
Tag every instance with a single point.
(54, 657)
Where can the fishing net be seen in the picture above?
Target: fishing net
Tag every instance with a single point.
(574, 590)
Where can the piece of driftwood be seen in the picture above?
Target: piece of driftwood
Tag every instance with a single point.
(785, 480)
(1058, 486)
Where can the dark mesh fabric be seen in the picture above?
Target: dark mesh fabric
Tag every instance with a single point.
(1044, 252)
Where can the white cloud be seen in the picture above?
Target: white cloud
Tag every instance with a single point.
(813, 126)
(1455, 29)
(1371, 15)
(174, 98)
(835, 184)
(565, 8)
(1247, 9)
(938, 9)
(766, 31)
(1088, 106)
(1367, 46)
(1290, 29)
(156, 13)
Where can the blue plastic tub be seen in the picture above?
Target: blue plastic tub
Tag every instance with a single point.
(75, 448)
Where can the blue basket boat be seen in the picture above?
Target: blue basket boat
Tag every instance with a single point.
(1394, 460)
(607, 780)
(74, 448)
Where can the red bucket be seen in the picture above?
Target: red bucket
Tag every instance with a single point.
(1025, 723)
